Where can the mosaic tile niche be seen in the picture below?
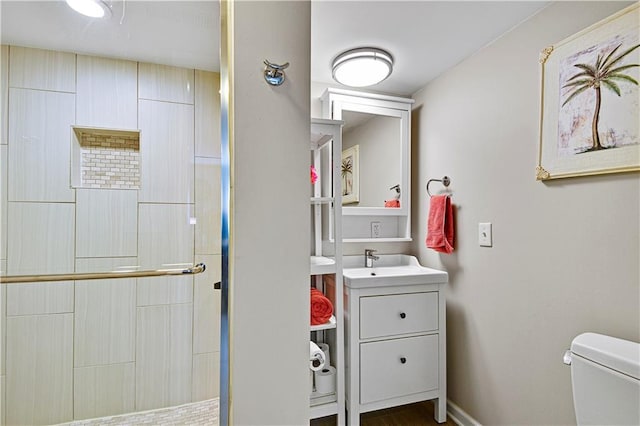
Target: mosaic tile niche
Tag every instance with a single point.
(107, 159)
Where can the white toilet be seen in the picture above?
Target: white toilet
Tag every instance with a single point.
(605, 374)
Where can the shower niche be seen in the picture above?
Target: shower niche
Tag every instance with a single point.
(105, 158)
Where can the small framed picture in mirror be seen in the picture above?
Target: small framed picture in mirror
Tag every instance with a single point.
(350, 175)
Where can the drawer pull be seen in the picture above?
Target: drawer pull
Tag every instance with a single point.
(403, 315)
(403, 360)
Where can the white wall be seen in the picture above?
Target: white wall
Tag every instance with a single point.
(565, 253)
(269, 235)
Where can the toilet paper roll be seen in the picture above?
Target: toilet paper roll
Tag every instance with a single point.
(325, 380)
(327, 355)
(316, 357)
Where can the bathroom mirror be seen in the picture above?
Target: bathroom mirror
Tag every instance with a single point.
(379, 167)
(376, 160)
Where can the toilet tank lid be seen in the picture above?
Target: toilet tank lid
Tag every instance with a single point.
(617, 354)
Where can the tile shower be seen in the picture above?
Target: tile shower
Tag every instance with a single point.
(106, 164)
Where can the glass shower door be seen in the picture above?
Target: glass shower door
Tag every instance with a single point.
(110, 163)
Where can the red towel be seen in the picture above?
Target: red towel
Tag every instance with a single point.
(321, 307)
(440, 224)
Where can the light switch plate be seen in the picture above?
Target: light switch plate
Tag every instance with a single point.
(484, 235)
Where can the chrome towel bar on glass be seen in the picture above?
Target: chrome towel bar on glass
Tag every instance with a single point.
(13, 279)
(445, 181)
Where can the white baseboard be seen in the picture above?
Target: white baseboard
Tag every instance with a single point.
(459, 416)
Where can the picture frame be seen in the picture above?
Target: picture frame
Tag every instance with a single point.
(350, 171)
(590, 100)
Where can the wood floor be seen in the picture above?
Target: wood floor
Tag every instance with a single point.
(418, 414)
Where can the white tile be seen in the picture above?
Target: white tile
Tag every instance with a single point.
(105, 315)
(165, 83)
(4, 89)
(206, 307)
(207, 110)
(3, 404)
(208, 225)
(41, 238)
(206, 376)
(3, 201)
(166, 152)
(3, 321)
(39, 369)
(39, 145)
(40, 298)
(42, 69)
(164, 290)
(164, 356)
(107, 93)
(103, 391)
(40, 241)
(165, 235)
(106, 223)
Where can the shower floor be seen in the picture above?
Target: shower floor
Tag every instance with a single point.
(203, 413)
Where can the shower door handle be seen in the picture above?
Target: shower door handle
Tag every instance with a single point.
(16, 279)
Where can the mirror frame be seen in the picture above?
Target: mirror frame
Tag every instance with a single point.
(335, 101)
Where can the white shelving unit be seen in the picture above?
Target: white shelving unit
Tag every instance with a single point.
(326, 259)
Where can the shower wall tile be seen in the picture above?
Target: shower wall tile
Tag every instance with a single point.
(42, 69)
(206, 307)
(107, 93)
(164, 290)
(39, 145)
(3, 201)
(40, 298)
(208, 225)
(207, 110)
(166, 151)
(105, 315)
(165, 83)
(4, 92)
(107, 223)
(206, 376)
(103, 391)
(3, 322)
(3, 399)
(39, 369)
(41, 238)
(164, 356)
(165, 235)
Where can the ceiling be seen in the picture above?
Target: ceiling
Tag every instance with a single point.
(425, 37)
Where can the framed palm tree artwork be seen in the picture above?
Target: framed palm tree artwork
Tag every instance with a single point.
(350, 175)
(590, 101)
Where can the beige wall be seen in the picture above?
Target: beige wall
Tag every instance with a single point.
(565, 253)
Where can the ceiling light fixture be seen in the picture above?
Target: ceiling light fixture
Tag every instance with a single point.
(362, 67)
(91, 8)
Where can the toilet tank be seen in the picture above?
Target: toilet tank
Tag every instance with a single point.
(605, 376)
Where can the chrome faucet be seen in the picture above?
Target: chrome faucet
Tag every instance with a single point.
(369, 257)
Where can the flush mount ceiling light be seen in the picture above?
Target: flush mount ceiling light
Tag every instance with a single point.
(362, 67)
(91, 8)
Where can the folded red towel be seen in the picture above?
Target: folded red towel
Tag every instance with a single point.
(392, 203)
(440, 224)
(321, 307)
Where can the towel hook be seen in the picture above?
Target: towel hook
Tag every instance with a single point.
(274, 73)
(445, 181)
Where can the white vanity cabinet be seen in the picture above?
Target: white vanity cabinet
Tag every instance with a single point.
(326, 257)
(396, 345)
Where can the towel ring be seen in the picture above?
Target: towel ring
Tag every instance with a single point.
(445, 181)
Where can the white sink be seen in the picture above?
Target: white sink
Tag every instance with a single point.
(389, 270)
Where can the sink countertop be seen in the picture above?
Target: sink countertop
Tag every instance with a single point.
(389, 270)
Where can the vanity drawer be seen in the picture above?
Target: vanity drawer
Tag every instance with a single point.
(398, 314)
(394, 368)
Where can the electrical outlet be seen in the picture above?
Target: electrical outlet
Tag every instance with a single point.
(376, 229)
(484, 235)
